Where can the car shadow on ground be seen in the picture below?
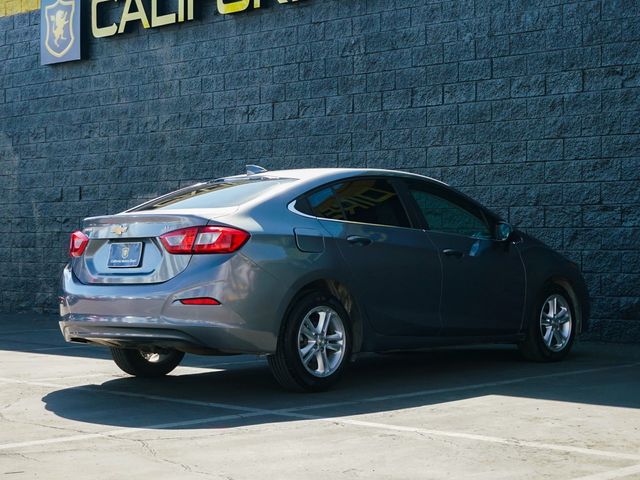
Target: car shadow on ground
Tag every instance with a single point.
(39, 334)
(592, 375)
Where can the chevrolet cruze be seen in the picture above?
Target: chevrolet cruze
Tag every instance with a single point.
(311, 267)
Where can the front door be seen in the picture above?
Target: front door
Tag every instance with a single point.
(483, 280)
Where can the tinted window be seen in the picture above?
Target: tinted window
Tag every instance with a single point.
(212, 195)
(372, 201)
(444, 215)
(324, 204)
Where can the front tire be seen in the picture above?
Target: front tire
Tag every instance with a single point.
(146, 364)
(314, 345)
(552, 327)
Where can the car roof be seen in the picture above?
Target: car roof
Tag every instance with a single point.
(333, 173)
(311, 178)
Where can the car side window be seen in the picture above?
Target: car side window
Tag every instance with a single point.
(324, 204)
(372, 200)
(444, 215)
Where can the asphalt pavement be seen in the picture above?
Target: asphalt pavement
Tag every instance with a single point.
(66, 411)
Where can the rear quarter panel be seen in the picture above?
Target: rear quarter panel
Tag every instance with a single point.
(274, 249)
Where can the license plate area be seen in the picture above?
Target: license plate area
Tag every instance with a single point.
(125, 255)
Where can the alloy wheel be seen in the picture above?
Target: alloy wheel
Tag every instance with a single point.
(556, 322)
(321, 341)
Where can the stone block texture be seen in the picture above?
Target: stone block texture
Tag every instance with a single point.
(530, 106)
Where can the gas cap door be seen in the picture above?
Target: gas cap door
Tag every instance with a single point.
(309, 240)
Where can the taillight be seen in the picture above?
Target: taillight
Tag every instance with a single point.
(204, 240)
(180, 241)
(78, 243)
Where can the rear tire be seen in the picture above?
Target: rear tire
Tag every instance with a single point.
(552, 326)
(146, 364)
(314, 346)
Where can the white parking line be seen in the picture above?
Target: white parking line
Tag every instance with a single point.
(121, 393)
(18, 346)
(113, 375)
(481, 438)
(98, 389)
(196, 369)
(227, 364)
(47, 349)
(128, 431)
(74, 377)
(294, 413)
(24, 332)
(613, 474)
(462, 388)
(212, 367)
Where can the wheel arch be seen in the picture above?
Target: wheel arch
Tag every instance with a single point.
(544, 267)
(344, 295)
(566, 285)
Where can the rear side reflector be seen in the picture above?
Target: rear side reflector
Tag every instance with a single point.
(204, 240)
(200, 301)
(78, 243)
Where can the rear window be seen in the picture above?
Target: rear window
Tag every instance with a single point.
(217, 194)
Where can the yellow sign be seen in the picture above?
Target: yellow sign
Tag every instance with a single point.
(234, 6)
(134, 11)
(185, 12)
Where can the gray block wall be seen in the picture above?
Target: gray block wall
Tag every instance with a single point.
(530, 106)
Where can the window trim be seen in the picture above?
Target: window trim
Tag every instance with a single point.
(393, 181)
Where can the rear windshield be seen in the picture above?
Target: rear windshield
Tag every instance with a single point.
(216, 194)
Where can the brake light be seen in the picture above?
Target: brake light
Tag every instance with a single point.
(200, 301)
(179, 241)
(204, 240)
(78, 243)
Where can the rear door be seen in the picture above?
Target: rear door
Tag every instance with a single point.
(483, 288)
(395, 268)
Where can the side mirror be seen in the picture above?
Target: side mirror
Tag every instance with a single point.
(503, 231)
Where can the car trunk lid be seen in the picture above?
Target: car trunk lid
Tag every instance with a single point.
(126, 248)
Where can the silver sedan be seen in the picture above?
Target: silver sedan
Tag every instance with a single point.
(311, 267)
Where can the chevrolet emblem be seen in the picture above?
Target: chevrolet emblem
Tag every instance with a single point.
(119, 229)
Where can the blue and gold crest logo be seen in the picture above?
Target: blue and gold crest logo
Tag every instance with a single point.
(60, 31)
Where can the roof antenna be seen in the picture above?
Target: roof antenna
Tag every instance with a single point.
(255, 169)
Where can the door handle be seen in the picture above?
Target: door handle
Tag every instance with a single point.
(358, 240)
(450, 252)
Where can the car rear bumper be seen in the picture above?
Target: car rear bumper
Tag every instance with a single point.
(131, 332)
(152, 315)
